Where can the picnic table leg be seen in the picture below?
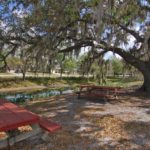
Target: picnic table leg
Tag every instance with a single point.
(35, 130)
(12, 139)
(45, 136)
(79, 93)
(4, 143)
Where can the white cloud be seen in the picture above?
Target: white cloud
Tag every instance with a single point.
(109, 55)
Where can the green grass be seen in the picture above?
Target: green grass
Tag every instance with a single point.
(123, 82)
(65, 81)
(12, 82)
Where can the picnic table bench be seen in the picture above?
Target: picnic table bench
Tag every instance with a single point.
(99, 91)
(12, 117)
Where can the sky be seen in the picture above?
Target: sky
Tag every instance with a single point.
(107, 56)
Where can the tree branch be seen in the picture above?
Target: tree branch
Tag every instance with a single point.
(135, 34)
(76, 46)
(127, 56)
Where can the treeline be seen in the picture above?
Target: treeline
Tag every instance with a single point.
(99, 68)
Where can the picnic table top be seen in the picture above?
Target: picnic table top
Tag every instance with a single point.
(13, 116)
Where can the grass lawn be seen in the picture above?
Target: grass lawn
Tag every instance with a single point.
(123, 82)
(73, 82)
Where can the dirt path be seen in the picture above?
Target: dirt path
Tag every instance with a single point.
(93, 124)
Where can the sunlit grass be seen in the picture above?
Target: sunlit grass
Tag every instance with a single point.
(65, 82)
(123, 82)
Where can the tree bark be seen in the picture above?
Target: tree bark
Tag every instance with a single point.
(23, 75)
(146, 84)
(61, 72)
(49, 67)
(142, 66)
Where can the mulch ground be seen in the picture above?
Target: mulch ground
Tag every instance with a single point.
(93, 124)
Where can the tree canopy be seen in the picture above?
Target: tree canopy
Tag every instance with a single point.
(36, 28)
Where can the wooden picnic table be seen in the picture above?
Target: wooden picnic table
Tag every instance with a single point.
(12, 117)
(99, 91)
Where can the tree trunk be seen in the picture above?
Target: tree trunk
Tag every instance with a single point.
(145, 70)
(49, 67)
(146, 84)
(87, 77)
(142, 66)
(23, 75)
(49, 71)
(61, 70)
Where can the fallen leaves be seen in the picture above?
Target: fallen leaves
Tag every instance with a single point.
(111, 127)
(3, 135)
(26, 128)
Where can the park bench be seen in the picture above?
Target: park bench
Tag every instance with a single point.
(12, 117)
(49, 125)
(99, 91)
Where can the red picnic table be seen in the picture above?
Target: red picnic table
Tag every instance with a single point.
(12, 117)
(99, 91)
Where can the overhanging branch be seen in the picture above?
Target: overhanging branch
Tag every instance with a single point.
(76, 46)
(132, 32)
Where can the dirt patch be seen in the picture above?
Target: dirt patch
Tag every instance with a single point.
(112, 127)
(93, 125)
